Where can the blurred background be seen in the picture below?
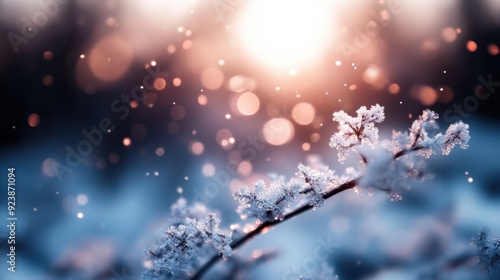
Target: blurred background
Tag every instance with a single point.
(111, 110)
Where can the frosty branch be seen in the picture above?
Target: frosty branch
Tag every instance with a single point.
(194, 234)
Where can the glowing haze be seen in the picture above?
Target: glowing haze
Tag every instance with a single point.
(285, 33)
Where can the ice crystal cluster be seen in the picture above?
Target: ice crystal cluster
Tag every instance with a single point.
(194, 234)
(357, 130)
(488, 251)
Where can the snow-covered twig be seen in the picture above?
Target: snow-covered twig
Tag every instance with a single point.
(388, 170)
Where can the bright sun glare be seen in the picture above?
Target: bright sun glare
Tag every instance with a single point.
(283, 33)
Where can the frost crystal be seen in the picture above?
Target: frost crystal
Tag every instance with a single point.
(488, 251)
(318, 181)
(393, 166)
(220, 238)
(356, 130)
(420, 139)
(266, 203)
(188, 237)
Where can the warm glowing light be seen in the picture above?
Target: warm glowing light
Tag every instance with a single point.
(471, 46)
(371, 74)
(170, 49)
(248, 104)
(177, 82)
(223, 137)
(426, 94)
(285, 33)
(33, 120)
(306, 146)
(111, 21)
(187, 44)
(278, 131)
(110, 58)
(256, 254)
(212, 78)
(245, 168)
(315, 137)
(48, 55)
(197, 148)
(239, 83)
(449, 34)
(159, 83)
(202, 99)
(338, 63)
(303, 113)
(228, 116)
(127, 142)
(493, 49)
(393, 88)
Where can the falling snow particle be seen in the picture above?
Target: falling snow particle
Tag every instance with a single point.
(470, 180)
(179, 190)
(156, 173)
